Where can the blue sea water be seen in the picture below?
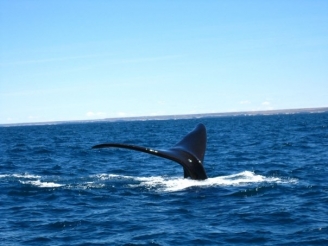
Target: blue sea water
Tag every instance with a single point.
(267, 184)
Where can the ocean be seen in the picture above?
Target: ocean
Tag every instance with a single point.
(267, 183)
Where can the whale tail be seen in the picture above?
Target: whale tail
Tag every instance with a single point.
(189, 152)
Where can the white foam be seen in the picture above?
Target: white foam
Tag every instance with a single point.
(177, 184)
(105, 176)
(31, 180)
(86, 185)
(160, 183)
(38, 183)
(24, 176)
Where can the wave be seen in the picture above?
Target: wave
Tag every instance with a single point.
(159, 183)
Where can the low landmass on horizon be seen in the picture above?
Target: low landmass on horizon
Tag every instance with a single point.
(184, 116)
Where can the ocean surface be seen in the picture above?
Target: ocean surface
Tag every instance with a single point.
(268, 184)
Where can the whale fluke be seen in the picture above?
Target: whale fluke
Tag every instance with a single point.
(189, 152)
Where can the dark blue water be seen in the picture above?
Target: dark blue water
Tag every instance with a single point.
(268, 184)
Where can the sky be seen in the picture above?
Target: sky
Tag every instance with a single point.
(83, 60)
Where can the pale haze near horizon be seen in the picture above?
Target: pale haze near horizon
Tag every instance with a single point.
(80, 60)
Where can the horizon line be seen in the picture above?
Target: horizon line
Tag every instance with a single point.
(177, 116)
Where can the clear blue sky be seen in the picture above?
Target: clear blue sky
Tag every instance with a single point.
(73, 60)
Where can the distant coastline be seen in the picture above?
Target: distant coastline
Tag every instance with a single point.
(180, 116)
